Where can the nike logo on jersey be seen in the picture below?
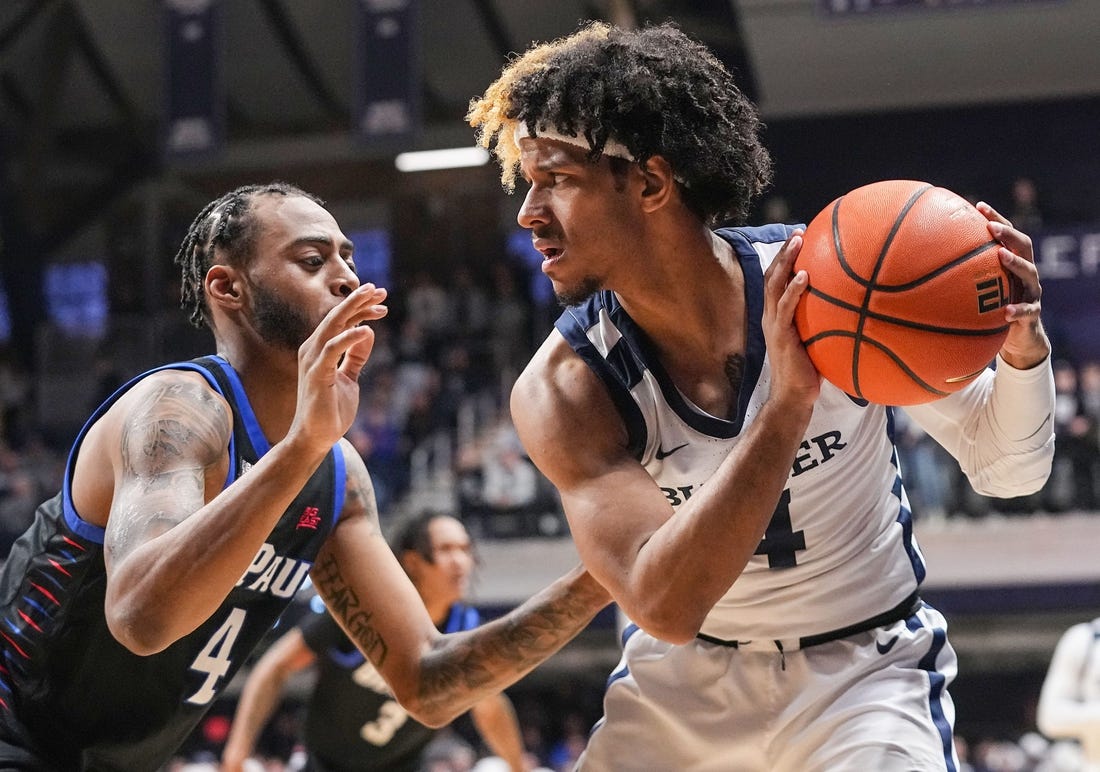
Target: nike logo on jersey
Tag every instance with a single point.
(662, 453)
(884, 648)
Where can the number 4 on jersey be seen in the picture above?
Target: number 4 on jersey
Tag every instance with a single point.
(214, 659)
(781, 542)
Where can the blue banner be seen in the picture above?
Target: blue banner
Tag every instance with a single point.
(1068, 260)
(387, 75)
(194, 93)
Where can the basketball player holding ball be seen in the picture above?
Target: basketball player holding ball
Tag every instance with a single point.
(748, 518)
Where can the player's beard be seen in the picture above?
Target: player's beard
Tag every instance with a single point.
(579, 292)
(278, 322)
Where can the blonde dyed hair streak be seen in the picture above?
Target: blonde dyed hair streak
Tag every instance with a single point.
(489, 114)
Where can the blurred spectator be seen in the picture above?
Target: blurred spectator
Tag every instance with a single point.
(15, 391)
(1089, 378)
(19, 497)
(510, 481)
(1089, 383)
(564, 754)
(510, 337)
(775, 208)
(377, 436)
(926, 468)
(427, 306)
(1025, 212)
(1071, 483)
(470, 311)
(448, 752)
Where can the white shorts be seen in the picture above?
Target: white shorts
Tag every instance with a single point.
(875, 700)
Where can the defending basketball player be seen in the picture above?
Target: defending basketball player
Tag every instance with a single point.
(749, 519)
(199, 497)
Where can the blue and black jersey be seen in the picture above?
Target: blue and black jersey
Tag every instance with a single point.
(75, 697)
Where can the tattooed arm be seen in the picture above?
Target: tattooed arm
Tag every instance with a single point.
(175, 543)
(436, 677)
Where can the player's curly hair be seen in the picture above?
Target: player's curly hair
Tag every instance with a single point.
(226, 223)
(655, 90)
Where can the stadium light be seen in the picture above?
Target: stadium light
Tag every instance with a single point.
(450, 158)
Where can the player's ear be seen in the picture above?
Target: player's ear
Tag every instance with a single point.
(223, 287)
(659, 183)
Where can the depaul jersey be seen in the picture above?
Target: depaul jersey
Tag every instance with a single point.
(76, 697)
(839, 548)
(353, 723)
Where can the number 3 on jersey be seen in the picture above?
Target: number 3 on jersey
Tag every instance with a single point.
(214, 659)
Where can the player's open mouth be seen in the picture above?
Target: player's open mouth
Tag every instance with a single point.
(550, 254)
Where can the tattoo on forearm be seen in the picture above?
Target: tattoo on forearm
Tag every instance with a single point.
(484, 660)
(343, 602)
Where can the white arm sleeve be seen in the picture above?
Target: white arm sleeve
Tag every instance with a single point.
(1000, 428)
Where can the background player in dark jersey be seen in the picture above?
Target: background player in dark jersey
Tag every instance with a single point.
(749, 519)
(352, 720)
(198, 497)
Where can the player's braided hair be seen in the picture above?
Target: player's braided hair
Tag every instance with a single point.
(227, 223)
(655, 90)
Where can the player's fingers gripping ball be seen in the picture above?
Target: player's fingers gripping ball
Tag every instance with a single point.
(906, 291)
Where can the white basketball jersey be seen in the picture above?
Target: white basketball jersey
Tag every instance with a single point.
(839, 548)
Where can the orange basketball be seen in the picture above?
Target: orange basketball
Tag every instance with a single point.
(906, 291)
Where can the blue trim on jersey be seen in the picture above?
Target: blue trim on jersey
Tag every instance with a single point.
(742, 239)
(73, 520)
(573, 325)
(244, 408)
(461, 617)
(628, 631)
(622, 672)
(771, 233)
(349, 660)
(340, 473)
(905, 515)
(36, 606)
(936, 682)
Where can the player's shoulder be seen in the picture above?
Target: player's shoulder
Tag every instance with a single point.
(182, 396)
(754, 236)
(555, 376)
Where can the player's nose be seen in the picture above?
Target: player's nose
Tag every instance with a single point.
(533, 212)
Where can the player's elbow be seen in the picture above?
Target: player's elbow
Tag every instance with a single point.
(135, 633)
(1012, 474)
(670, 622)
(429, 712)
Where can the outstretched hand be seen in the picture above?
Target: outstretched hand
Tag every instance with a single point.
(1026, 344)
(329, 363)
(794, 375)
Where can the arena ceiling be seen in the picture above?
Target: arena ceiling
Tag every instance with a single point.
(82, 81)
